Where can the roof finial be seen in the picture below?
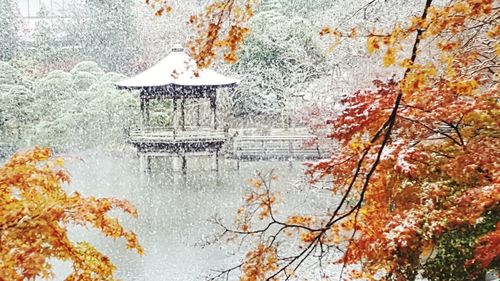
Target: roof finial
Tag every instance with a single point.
(177, 47)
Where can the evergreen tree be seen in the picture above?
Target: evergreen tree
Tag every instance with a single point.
(45, 45)
(8, 30)
(277, 63)
(104, 31)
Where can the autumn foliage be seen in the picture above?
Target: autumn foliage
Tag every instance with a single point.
(417, 170)
(35, 212)
(437, 168)
(488, 248)
(219, 29)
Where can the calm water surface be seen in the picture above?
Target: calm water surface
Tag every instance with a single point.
(173, 210)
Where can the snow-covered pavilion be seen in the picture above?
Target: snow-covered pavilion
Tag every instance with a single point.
(177, 77)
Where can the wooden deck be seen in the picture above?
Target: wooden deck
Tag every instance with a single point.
(174, 140)
(236, 144)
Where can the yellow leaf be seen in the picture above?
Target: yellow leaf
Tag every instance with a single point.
(326, 30)
(356, 144)
(354, 33)
(372, 44)
(336, 239)
(389, 57)
(257, 183)
(59, 162)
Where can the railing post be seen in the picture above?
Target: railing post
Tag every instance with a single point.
(213, 107)
(184, 164)
(317, 148)
(183, 118)
(142, 110)
(146, 104)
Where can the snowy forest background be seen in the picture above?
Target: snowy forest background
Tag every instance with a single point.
(58, 63)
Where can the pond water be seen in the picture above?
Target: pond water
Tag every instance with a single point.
(174, 210)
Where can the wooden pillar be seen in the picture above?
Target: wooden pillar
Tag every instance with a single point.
(178, 178)
(142, 170)
(142, 111)
(174, 113)
(141, 163)
(213, 106)
(184, 163)
(198, 115)
(317, 149)
(148, 164)
(147, 112)
(217, 167)
(175, 161)
(183, 117)
(216, 160)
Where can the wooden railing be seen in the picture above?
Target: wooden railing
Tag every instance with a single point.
(275, 147)
(177, 134)
(237, 144)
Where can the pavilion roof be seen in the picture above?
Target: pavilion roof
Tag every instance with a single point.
(176, 69)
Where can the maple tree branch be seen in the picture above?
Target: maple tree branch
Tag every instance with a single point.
(225, 272)
(389, 124)
(417, 39)
(328, 169)
(306, 252)
(312, 245)
(492, 19)
(267, 186)
(459, 143)
(384, 131)
(391, 121)
(364, 7)
(416, 107)
(26, 219)
(393, 116)
(268, 203)
(349, 243)
(215, 28)
(455, 128)
(441, 154)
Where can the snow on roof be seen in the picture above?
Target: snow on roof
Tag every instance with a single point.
(177, 69)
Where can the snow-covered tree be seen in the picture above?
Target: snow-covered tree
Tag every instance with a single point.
(45, 47)
(66, 110)
(83, 109)
(8, 30)
(104, 31)
(10, 75)
(276, 63)
(16, 101)
(16, 113)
